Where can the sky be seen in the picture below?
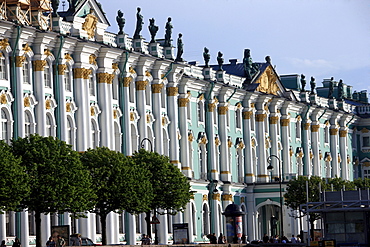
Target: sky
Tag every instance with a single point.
(320, 38)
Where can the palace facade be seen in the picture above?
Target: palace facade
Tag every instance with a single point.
(65, 76)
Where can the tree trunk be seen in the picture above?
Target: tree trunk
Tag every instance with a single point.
(103, 219)
(38, 229)
(148, 226)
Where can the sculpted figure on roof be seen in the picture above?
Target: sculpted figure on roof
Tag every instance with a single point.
(153, 29)
(206, 57)
(303, 82)
(120, 21)
(331, 88)
(249, 68)
(340, 90)
(55, 6)
(167, 36)
(180, 48)
(220, 60)
(139, 24)
(313, 84)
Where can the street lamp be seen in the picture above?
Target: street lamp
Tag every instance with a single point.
(150, 142)
(270, 168)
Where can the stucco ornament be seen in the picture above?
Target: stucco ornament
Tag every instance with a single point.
(90, 24)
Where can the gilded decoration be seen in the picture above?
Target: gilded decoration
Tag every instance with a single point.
(61, 69)
(267, 82)
(320, 155)
(253, 105)
(253, 143)
(86, 73)
(291, 152)
(285, 122)
(131, 70)
(147, 73)
(315, 127)
(26, 48)
(222, 110)
(67, 57)
(348, 159)
(141, 85)
(105, 78)
(68, 107)
(19, 60)
(328, 157)
(157, 88)
(183, 102)
(92, 59)
(115, 66)
(211, 107)
(190, 137)
(110, 78)
(247, 114)
(239, 105)
(364, 130)
(299, 118)
(306, 126)
(27, 102)
(115, 114)
(249, 175)
(342, 133)
(132, 116)
(3, 99)
(201, 97)
(147, 118)
(339, 158)
(48, 104)
(240, 145)
(217, 141)
(174, 162)
(216, 196)
(39, 65)
(90, 24)
(311, 155)
(205, 197)
(92, 111)
(266, 107)
(78, 73)
(47, 52)
(242, 199)
(227, 197)
(327, 123)
(333, 131)
(163, 121)
(229, 143)
(225, 172)
(172, 91)
(4, 44)
(127, 81)
(260, 117)
(273, 120)
(203, 140)
(300, 154)
(367, 164)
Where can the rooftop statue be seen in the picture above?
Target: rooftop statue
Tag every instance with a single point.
(206, 57)
(303, 82)
(139, 24)
(180, 48)
(167, 36)
(268, 59)
(250, 69)
(120, 21)
(313, 84)
(340, 90)
(331, 88)
(55, 6)
(220, 60)
(153, 29)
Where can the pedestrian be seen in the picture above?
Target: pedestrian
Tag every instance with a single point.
(61, 242)
(17, 243)
(50, 242)
(220, 239)
(293, 240)
(213, 238)
(3, 243)
(265, 238)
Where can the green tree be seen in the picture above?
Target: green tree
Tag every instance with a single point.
(171, 187)
(13, 179)
(57, 180)
(362, 183)
(118, 183)
(339, 183)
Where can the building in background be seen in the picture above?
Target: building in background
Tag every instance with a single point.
(64, 75)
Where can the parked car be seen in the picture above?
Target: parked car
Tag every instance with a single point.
(85, 241)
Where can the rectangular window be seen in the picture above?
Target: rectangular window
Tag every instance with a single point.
(366, 141)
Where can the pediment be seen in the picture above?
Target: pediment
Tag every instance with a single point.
(84, 8)
(267, 81)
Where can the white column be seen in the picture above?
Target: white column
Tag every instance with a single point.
(247, 137)
(251, 215)
(343, 152)
(85, 225)
(62, 125)
(273, 120)
(45, 227)
(141, 108)
(126, 114)
(189, 219)
(157, 106)
(285, 121)
(306, 147)
(130, 225)
(223, 110)
(24, 239)
(262, 175)
(215, 218)
(38, 69)
(3, 225)
(315, 140)
(19, 98)
(334, 151)
(172, 95)
(211, 148)
(184, 142)
(112, 228)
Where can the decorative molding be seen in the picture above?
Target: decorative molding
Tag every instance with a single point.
(239, 105)
(147, 73)
(217, 141)
(3, 99)
(273, 120)
(105, 78)
(201, 97)
(333, 131)
(86, 73)
(127, 81)
(227, 197)
(211, 107)
(61, 69)
(242, 199)
(92, 111)
(115, 66)
(27, 102)
(183, 102)
(115, 114)
(203, 140)
(90, 24)
(147, 118)
(291, 152)
(131, 70)
(267, 82)
(222, 110)
(26, 48)
(78, 73)
(68, 107)
(190, 137)
(205, 197)
(364, 130)
(163, 121)
(174, 162)
(252, 105)
(315, 127)
(47, 52)
(240, 145)
(299, 118)
(343, 133)
(247, 114)
(132, 116)
(172, 91)
(253, 142)
(260, 117)
(216, 196)
(47, 104)
(141, 85)
(229, 143)
(92, 59)
(4, 43)
(19, 60)
(38, 65)
(68, 57)
(157, 88)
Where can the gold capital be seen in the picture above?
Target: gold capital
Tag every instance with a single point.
(141, 85)
(285, 122)
(3, 44)
(306, 126)
(157, 88)
(86, 73)
(39, 65)
(19, 61)
(222, 110)
(78, 73)
(273, 120)
(105, 78)
(333, 131)
(227, 197)
(342, 133)
(216, 196)
(205, 197)
(315, 127)
(61, 69)
(260, 117)
(127, 81)
(247, 114)
(172, 91)
(183, 102)
(211, 107)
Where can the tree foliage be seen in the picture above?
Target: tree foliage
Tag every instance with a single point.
(13, 179)
(118, 182)
(57, 179)
(170, 187)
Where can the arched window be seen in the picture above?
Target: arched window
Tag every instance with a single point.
(132, 92)
(94, 134)
(2, 67)
(47, 75)
(4, 126)
(238, 119)
(115, 88)
(27, 123)
(326, 134)
(48, 125)
(91, 84)
(67, 80)
(69, 131)
(25, 70)
(298, 129)
(117, 137)
(200, 111)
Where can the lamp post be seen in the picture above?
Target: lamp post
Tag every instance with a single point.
(270, 168)
(150, 142)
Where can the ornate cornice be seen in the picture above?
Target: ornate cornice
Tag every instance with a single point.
(157, 88)
(273, 119)
(247, 114)
(39, 65)
(260, 117)
(172, 91)
(183, 102)
(222, 110)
